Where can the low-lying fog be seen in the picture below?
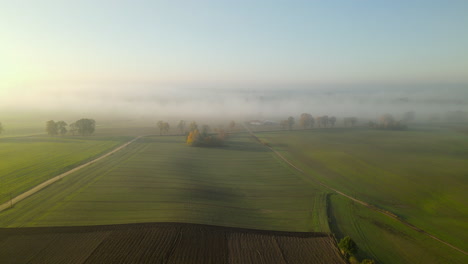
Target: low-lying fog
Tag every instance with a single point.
(242, 101)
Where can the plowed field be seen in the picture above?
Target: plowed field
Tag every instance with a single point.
(164, 243)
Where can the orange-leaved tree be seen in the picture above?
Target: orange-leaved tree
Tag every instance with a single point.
(193, 137)
(205, 139)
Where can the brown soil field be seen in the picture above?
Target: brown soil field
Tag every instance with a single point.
(164, 243)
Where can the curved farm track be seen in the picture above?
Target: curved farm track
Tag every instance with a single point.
(370, 206)
(164, 243)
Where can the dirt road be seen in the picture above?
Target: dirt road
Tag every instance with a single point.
(41, 186)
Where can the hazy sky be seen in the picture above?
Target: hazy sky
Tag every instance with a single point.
(233, 41)
(111, 46)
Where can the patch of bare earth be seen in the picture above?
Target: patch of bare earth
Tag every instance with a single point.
(164, 243)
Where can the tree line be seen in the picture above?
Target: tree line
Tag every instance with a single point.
(306, 121)
(82, 127)
(388, 122)
(199, 136)
(385, 121)
(183, 129)
(163, 127)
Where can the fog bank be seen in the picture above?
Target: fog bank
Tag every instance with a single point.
(259, 102)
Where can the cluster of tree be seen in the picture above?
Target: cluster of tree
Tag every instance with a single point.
(192, 126)
(325, 121)
(349, 249)
(1, 128)
(203, 138)
(306, 120)
(55, 128)
(350, 121)
(288, 123)
(83, 127)
(163, 127)
(387, 121)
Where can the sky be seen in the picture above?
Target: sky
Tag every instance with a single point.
(120, 46)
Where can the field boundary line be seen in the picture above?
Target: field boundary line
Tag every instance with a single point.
(368, 205)
(35, 189)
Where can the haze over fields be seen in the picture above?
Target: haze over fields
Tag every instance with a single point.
(170, 101)
(249, 131)
(248, 58)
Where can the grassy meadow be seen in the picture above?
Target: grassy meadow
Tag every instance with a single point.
(161, 179)
(386, 240)
(29, 161)
(420, 175)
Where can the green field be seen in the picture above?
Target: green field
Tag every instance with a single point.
(384, 239)
(161, 179)
(29, 161)
(419, 175)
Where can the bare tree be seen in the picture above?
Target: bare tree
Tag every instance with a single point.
(181, 126)
(1, 128)
(290, 122)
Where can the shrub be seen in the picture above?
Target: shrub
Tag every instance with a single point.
(347, 246)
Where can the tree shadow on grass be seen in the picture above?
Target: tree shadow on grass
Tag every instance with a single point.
(239, 146)
(236, 143)
(247, 146)
(212, 202)
(162, 139)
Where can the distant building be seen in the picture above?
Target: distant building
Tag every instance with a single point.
(261, 122)
(255, 123)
